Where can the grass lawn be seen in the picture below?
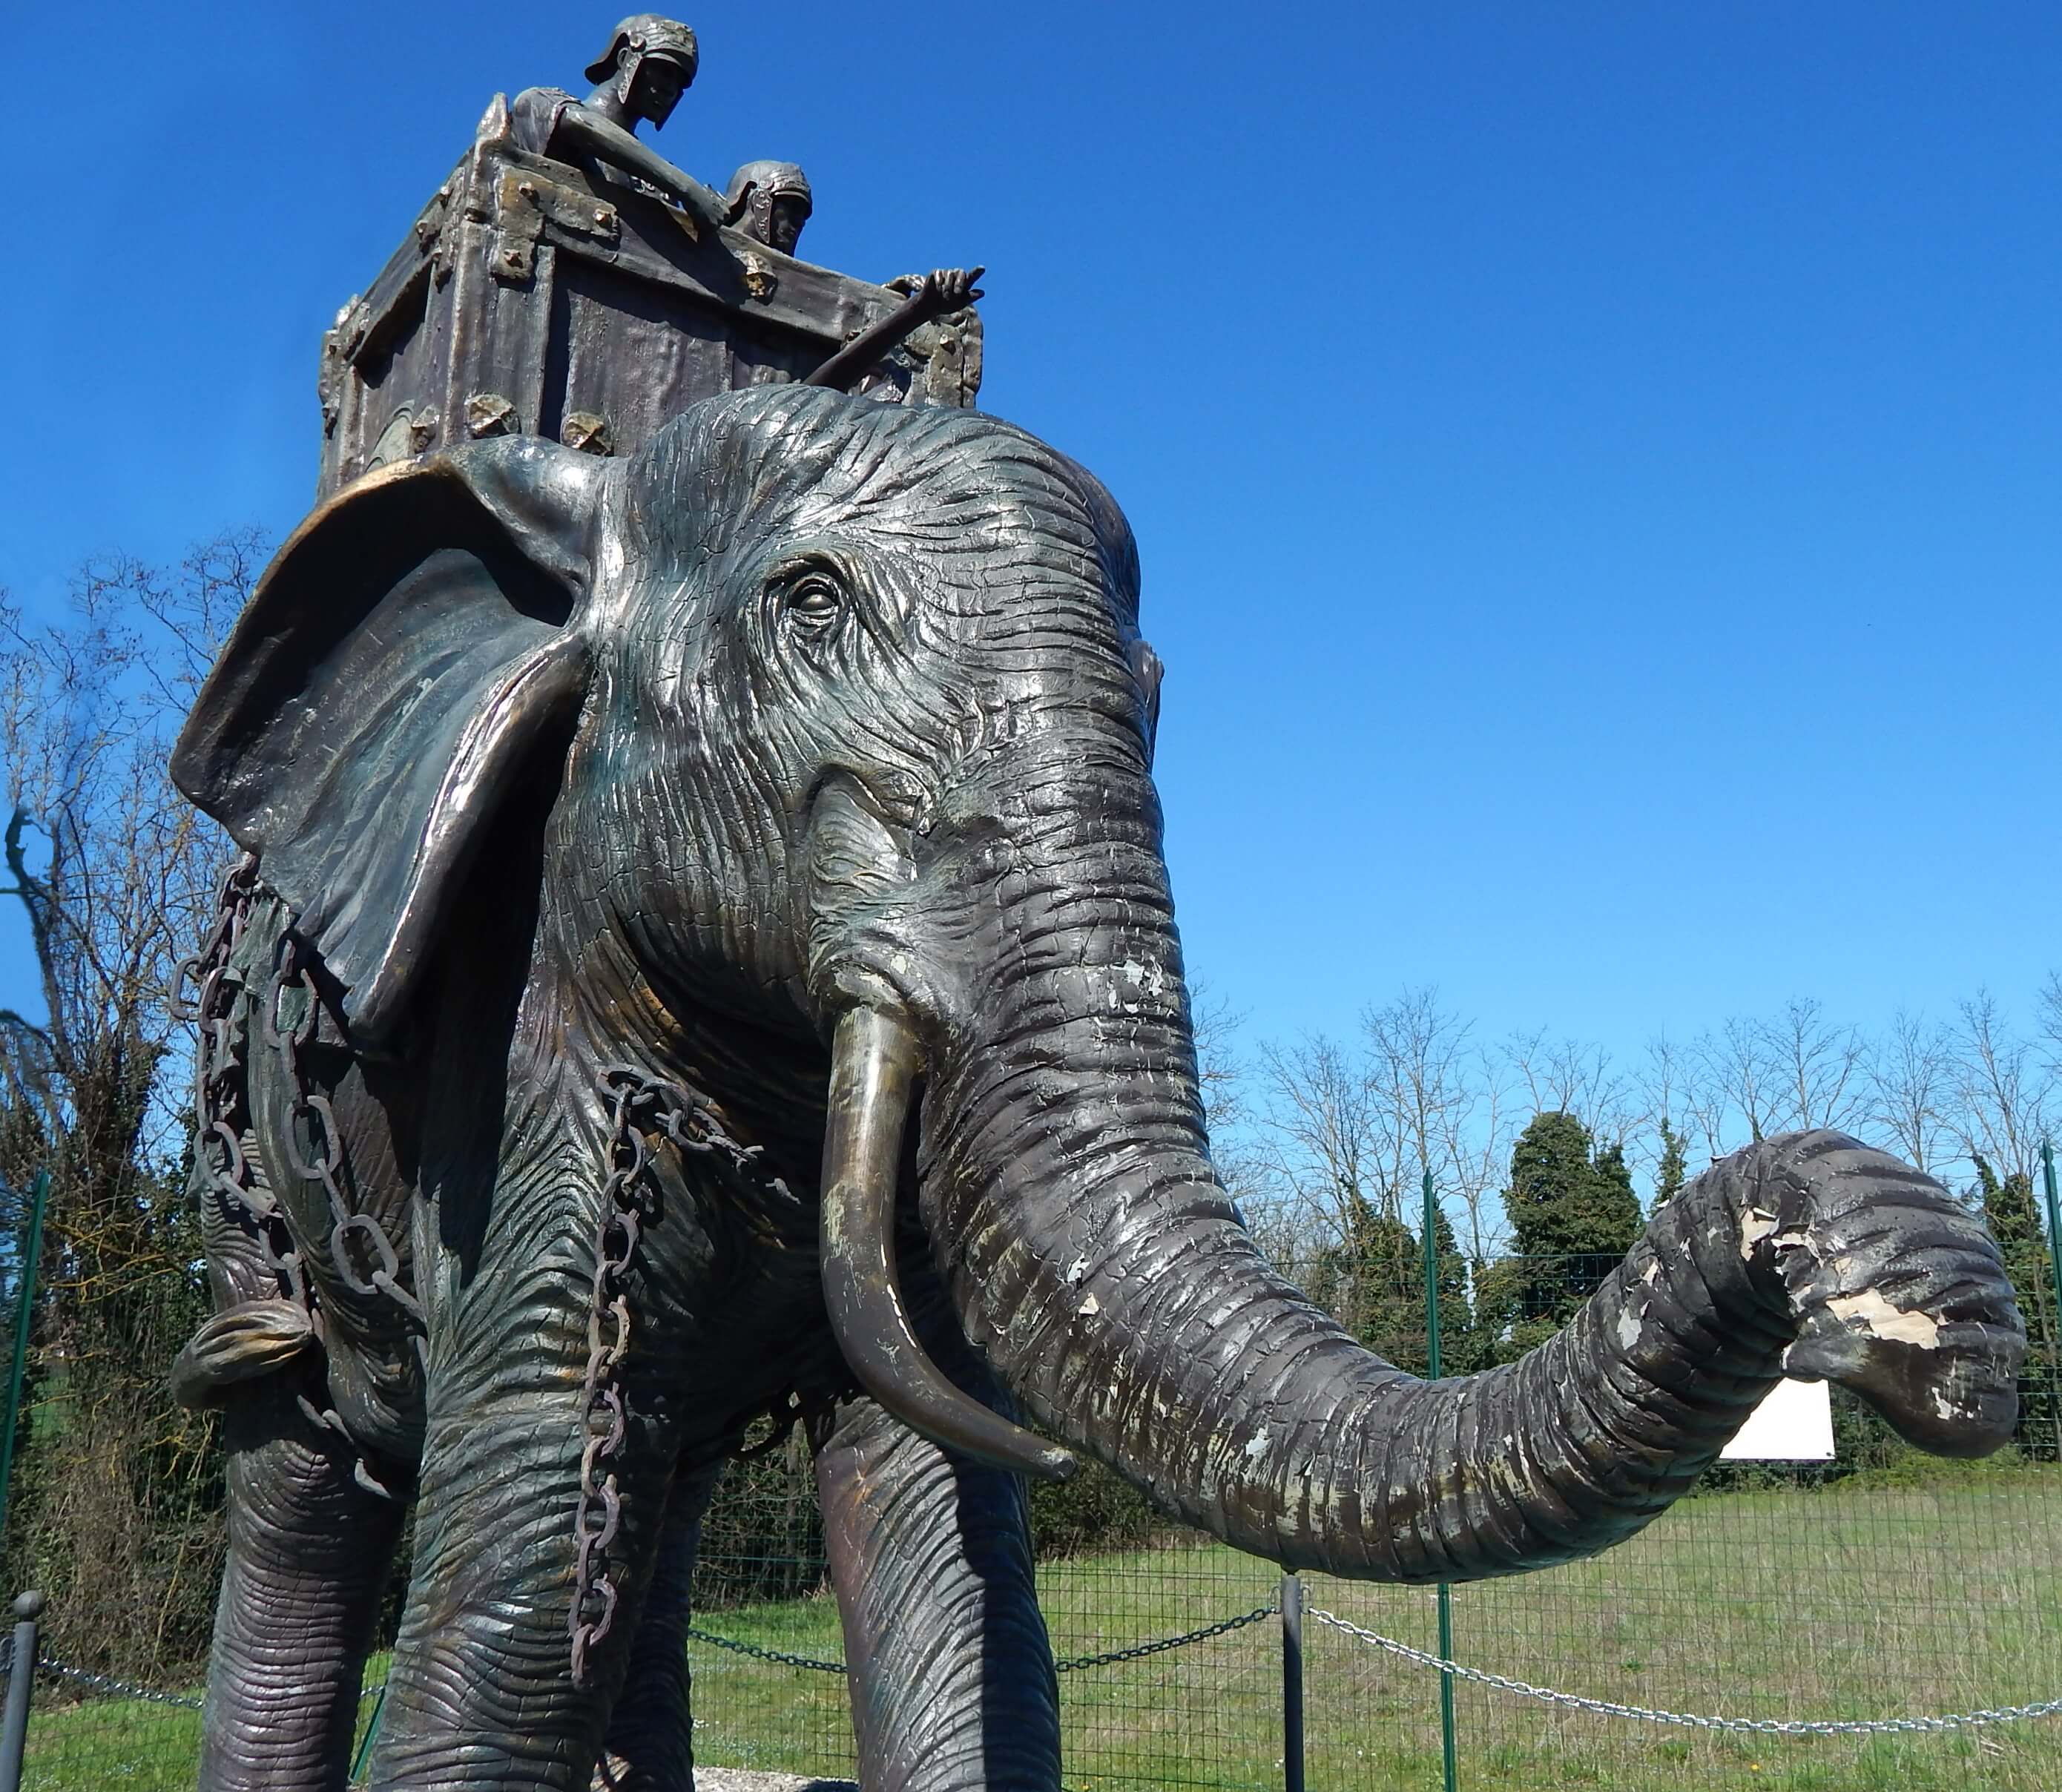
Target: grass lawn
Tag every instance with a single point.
(134, 1743)
(1845, 1603)
(1839, 1604)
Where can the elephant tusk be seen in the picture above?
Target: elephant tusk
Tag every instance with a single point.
(873, 1062)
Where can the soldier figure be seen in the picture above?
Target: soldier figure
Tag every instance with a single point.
(769, 201)
(649, 63)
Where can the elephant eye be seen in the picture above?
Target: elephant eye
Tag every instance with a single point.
(813, 601)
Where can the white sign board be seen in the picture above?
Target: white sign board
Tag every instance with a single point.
(1794, 1423)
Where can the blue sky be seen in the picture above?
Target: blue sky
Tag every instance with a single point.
(1596, 466)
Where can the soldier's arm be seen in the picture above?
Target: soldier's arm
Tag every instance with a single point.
(587, 133)
(948, 289)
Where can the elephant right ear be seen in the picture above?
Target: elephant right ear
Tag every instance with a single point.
(397, 666)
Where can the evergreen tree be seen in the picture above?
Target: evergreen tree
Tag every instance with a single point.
(1573, 1214)
(1613, 1219)
(1458, 1354)
(2009, 1211)
(1673, 1169)
(1372, 1282)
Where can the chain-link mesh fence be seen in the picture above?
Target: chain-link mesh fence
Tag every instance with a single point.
(1881, 1585)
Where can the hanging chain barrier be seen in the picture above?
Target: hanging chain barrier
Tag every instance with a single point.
(1065, 1664)
(125, 1689)
(1687, 1720)
(639, 1104)
(1139, 1651)
(778, 1657)
(107, 1683)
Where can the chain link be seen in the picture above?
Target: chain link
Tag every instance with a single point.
(124, 1689)
(1069, 1664)
(222, 1108)
(638, 1105)
(1760, 1726)
(778, 1657)
(1072, 1664)
(107, 1683)
(314, 1118)
(221, 1097)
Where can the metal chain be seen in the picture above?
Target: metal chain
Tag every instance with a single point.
(313, 1116)
(221, 1099)
(1069, 1664)
(1138, 1651)
(222, 1107)
(1760, 1726)
(780, 1657)
(638, 1105)
(106, 1683)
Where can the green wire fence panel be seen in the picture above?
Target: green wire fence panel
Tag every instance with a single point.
(1881, 1585)
(760, 1580)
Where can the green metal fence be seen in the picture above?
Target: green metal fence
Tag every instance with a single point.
(1882, 1588)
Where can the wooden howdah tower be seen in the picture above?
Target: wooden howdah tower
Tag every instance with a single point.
(534, 297)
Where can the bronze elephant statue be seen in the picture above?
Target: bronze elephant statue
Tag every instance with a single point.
(706, 952)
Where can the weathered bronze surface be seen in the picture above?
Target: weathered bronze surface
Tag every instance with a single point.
(556, 283)
(769, 201)
(704, 950)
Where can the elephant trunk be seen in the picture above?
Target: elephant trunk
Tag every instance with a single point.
(1092, 1254)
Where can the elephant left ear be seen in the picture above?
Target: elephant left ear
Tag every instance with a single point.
(407, 653)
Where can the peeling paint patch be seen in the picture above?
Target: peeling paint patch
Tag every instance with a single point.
(1652, 1273)
(1756, 1227)
(1256, 1449)
(1090, 1305)
(1879, 1319)
(1628, 1328)
(1150, 978)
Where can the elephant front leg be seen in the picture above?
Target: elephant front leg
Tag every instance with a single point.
(309, 1550)
(953, 1686)
(650, 1735)
(482, 1693)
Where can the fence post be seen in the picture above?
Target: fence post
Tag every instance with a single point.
(2054, 1235)
(365, 1747)
(1292, 1684)
(21, 1682)
(1448, 1763)
(25, 1305)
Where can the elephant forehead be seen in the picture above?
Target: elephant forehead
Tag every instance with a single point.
(734, 467)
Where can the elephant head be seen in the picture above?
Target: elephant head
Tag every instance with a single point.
(838, 727)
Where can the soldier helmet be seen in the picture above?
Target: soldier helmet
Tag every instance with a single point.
(649, 35)
(777, 180)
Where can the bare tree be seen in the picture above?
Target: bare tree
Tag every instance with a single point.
(1242, 1166)
(1911, 1088)
(2047, 1006)
(1570, 1076)
(113, 869)
(1740, 1081)
(1442, 1107)
(2005, 1093)
(112, 873)
(1816, 1067)
(1322, 1138)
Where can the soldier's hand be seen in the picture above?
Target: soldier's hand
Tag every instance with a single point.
(951, 289)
